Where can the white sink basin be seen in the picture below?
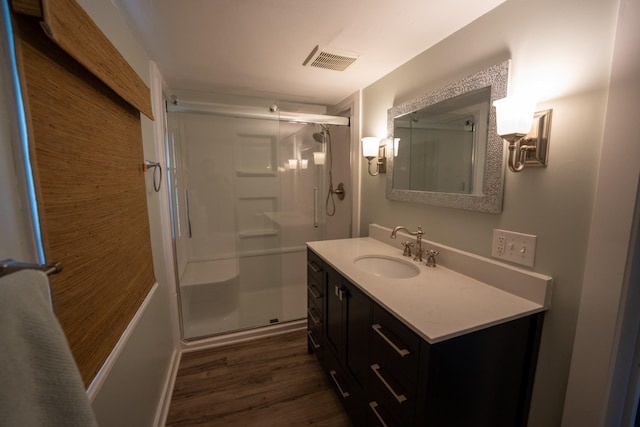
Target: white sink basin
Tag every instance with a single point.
(384, 266)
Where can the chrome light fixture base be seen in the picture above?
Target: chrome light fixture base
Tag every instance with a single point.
(531, 149)
(380, 162)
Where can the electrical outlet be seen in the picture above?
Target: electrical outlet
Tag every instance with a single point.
(514, 247)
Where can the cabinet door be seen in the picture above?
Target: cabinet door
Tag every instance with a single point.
(335, 297)
(358, 332)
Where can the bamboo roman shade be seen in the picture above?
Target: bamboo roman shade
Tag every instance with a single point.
(86, 147)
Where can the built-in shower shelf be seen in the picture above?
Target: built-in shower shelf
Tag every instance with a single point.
(247, 234)
(289, 218)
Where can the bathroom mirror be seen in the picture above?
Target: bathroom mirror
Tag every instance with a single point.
(443, 149)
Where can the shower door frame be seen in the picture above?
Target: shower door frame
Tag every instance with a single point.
(235, 111)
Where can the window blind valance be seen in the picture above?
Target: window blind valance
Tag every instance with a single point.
(69, 26)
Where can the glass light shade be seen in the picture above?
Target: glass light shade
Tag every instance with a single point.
(318, 158)
(304, 163)
(396, 146)
(370, 146)
(293, 163)
(514, 115)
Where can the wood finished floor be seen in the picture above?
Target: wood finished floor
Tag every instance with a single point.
(267, 382)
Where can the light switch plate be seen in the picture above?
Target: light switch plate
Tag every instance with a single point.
(514, 247)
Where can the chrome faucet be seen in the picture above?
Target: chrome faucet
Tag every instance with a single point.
(418, 234)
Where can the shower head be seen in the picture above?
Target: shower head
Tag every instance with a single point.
(319, 137)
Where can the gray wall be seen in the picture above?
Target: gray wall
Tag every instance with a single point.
(133, 389)
(604, 368)
(562, 51)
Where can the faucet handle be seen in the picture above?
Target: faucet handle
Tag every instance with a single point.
(407, 248)
(431, 257)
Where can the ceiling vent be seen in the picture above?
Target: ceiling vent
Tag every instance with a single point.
(330, 59)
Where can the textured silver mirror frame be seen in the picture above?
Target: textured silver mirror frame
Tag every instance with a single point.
(490, 200)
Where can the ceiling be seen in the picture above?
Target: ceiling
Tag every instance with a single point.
(257, 47)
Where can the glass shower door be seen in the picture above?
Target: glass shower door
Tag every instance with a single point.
(245, 199)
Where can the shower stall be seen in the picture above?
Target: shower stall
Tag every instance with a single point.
(249, 186)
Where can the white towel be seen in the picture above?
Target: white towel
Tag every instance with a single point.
(39, 381)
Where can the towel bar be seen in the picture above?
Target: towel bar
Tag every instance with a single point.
(9, 266)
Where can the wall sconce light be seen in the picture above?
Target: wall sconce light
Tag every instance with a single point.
(396, 146)
(304, 163)
(371, 149)
(318, 158)
(527, 132)
(293, 164)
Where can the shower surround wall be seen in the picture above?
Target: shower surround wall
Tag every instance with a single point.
(242, 216)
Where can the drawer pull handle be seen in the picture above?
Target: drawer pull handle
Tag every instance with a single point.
(314, 292)
(335, 380)
(313, 317)
(399, 397)
(315, 345)
(373, 405)
(315, 267)
(401, 351)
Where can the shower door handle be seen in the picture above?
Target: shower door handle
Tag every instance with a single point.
(315, 207)
(188, 212)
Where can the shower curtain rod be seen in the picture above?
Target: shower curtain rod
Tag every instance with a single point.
(254, 112)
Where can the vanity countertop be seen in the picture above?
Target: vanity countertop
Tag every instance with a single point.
(439, 303)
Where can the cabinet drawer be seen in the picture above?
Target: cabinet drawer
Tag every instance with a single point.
(315, 292)
(315, 269)
(396, 396)
(380, 416)
(314, 315)
(393, 344)
(316, 304)
(315, 337)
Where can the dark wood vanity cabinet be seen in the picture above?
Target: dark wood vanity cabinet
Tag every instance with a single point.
(386, 375)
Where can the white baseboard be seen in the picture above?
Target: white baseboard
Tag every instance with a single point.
(167, 392)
